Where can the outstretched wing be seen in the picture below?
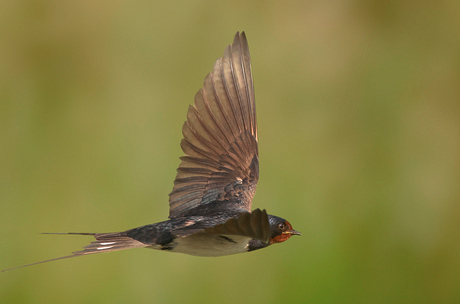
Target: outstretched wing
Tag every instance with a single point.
(220, 138)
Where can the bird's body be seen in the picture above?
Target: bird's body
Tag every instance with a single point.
(210, 205)
(217, 234)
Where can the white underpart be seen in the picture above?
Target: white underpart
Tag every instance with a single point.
(109, 243)
(102, 248)
(210, 245)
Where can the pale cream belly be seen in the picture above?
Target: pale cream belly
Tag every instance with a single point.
(209, 245)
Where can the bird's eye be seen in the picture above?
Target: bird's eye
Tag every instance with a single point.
(281, 226)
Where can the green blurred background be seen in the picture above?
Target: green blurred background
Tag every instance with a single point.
(359, 126)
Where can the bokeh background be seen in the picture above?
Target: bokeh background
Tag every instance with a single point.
(359, 126)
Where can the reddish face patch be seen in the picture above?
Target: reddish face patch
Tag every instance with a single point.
(285, 234)
(280, 238)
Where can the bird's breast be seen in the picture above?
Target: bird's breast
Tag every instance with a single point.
(209, 245)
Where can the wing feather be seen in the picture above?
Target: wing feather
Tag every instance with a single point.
(220, 138)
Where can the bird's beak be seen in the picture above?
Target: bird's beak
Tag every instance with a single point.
(294, 232)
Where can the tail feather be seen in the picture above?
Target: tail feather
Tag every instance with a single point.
(105, 242)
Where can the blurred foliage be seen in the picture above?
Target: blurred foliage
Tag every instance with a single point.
(359, 129)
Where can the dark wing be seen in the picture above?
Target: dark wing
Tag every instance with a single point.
(254, 225)
(220, 138)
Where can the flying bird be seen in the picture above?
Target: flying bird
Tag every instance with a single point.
(210, 204)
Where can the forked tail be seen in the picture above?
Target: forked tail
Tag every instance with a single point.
(105, 242)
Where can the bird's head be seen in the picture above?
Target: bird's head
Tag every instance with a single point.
(281, 229)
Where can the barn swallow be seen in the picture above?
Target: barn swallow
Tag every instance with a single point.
(210, 204)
